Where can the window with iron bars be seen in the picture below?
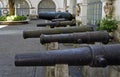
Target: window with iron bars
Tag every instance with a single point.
(94, 11)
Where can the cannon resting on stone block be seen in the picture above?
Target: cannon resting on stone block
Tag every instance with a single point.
(58, 24)
(37, 33)
(94, 56)
(83, 37)
(56, 15)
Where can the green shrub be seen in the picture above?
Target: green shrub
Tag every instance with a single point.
(13, 18)
(3, 18)
(20, 18)
(108, 24)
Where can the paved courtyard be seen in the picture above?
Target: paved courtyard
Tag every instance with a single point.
(12, 42)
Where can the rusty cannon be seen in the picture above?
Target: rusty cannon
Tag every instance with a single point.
(58, 24)
(83, 37)
(37, 33)
(55, 15)
(94, 56)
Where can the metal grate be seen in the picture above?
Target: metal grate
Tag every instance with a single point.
(94, 12)
(46, 6)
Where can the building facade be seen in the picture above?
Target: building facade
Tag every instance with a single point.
(90, 11)
(28, 7)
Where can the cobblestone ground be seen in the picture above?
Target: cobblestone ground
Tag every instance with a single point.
(12, 42)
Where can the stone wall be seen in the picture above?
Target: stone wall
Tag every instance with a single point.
(116, 34)
(110, 71)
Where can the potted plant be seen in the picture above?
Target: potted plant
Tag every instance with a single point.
(13, 19)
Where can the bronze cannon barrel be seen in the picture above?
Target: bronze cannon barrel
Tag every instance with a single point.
(55, 15)
(94, 56)
(37, 33)
(83, 37)
(58, 24)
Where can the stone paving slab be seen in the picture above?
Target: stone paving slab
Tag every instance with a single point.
(11, 43)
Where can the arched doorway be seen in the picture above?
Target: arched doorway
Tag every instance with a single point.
(94, 11)
(46, 6)
(22, 7)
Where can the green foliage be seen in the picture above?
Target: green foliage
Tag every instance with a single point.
(13, 18)
(20, 18)
(108, 24)
(3, 18)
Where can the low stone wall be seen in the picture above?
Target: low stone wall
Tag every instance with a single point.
(116, 34)
(33, 17)
(13, 22)
(110, 71)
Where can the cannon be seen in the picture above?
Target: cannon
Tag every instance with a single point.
(83, 37)
(37, 33)
(55, 15)
(92, 55)
(60, 19)
(58, 24)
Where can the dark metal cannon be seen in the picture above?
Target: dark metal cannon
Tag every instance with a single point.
(58, 24)
(95, 56)
(55, 15)
(83, 37)
(61, 19)
(37, 33)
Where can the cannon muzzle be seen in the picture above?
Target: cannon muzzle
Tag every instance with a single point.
(37, 33)
(94, 56)
(58, 24)
(83, 37)
(55, 15)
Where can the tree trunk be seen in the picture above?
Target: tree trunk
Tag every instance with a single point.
(11, 7)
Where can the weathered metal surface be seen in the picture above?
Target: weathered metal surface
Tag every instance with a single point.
(55, 15)
(83, 37)
(58, 70)
(37, 33)
(60, 19)
(94, 56)
(58, 24)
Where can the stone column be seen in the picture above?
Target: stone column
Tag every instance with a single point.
(83, 14)
(65, 5)
(78, 12)
(72, 7)
(15, 9)
(103, 4)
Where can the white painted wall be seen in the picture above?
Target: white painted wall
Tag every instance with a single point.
(116, 13)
